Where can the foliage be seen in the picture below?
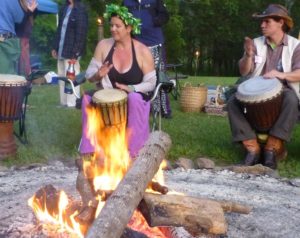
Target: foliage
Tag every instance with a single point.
(45, 27)
(42, 38)
(215, 27)
(173, 33)
(220, 29)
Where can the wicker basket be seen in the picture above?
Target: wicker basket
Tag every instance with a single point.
(192, 99)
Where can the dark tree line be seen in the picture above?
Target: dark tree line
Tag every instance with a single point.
(214, 28)
(219, 31)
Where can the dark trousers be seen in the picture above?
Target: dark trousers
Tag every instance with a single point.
(241, 129)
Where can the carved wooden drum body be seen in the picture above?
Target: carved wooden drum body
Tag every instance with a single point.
(112, 104)
(261, 100)
(12, 92)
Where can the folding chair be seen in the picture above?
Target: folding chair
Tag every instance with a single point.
(164, 85)
(156, 113)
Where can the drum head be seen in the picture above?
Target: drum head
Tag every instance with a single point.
(109, 95)
(12, 80)
(258, 89)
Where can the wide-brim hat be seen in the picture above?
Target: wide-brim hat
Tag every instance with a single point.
(276, 10)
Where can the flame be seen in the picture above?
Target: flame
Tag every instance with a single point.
(106, 168)
(159, 176)
(45, 215)
(111, 159)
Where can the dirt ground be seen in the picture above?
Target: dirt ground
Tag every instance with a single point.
(275, 201)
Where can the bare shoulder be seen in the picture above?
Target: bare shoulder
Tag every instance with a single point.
(144, 56)
(141, 49)
(103, 48)
(105, 43)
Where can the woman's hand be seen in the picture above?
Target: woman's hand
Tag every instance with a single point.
(125, 87)
(104, 69)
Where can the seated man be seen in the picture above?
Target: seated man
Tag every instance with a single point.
(124, 63)
(273, 55)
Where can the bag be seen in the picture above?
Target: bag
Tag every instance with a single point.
(161, 16)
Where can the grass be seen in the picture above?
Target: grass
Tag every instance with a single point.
(54, 133)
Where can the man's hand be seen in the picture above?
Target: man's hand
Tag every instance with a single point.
(274, 74)
(249, 47)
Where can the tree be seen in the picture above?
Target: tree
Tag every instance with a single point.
(216, 28)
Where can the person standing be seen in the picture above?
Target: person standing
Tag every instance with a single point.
(153, 15)
(12, 12)
(273, 55)
(69, 44)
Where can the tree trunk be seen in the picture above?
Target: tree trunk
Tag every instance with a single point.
(120, 206)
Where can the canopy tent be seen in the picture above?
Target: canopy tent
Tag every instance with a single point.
(47, 6)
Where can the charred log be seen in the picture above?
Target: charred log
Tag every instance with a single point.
(48, 197)
(129, 233)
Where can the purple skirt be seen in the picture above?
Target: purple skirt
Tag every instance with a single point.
(137, 124)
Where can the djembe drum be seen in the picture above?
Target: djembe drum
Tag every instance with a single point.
(261, 100)
(112, 104)
(12, 92)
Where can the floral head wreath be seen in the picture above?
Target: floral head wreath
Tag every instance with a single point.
(125, 16)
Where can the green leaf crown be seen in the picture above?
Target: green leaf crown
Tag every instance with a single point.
(125, 16)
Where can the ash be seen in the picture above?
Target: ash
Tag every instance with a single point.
(275, 201)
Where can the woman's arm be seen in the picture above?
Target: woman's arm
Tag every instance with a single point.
(97, 70)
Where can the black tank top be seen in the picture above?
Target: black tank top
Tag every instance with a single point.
(133, 76)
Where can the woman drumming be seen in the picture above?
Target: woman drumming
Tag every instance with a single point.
(124, 63)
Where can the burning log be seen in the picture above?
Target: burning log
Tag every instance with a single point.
(89, 202)
(48, 197)
(157, 187)
(120, 206)
(196, 215)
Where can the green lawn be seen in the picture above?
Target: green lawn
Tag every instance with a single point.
(54, 133)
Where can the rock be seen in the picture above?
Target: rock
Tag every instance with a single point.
(185, 163)
(204, 163)
(295, 182)
(3, 169)
(257, 169)
(30, 166)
